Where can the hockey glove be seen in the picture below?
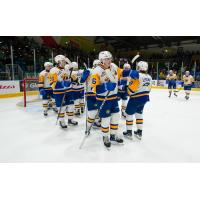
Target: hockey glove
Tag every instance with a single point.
(85, 75)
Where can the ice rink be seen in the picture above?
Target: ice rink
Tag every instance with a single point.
(171, 134)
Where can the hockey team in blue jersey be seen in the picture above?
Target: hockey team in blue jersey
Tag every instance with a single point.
(102, 87)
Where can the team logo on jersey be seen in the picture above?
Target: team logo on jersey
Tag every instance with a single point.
(103, 74)
(146, 79)
(107, 111)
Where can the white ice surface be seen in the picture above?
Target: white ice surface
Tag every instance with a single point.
(171, 134)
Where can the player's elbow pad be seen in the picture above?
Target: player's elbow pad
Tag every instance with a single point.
(101, 88)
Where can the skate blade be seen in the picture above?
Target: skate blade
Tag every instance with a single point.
(63, 128)
(139, 138)
(117, 143)
(72, 124)
(128, 137)
(108, 148)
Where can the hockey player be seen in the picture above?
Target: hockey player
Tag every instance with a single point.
(188, 82)
(60, 85)
(138, 89)
(122, 88)
(171, 78)
(177, 85)
(77, 88)
(69, 98)
(104, 83)
(90, 97)
(81, 93)
(96, 62)
(45, 87)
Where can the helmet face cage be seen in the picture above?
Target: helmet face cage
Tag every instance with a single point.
(60, 60)
(62, 63)
(48, 66)
(142, 66)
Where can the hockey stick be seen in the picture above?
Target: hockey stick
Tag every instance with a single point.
(135, 58)
(86, 112)
(87, 132)
(85, 65)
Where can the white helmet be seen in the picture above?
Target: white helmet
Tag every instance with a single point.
(187, 73)
(96, 62)
(104, 54)
(142, 66)
(66, 66)
(75, 66)
(60, 58)
(48, 64)
(170, 72)
(126, 66)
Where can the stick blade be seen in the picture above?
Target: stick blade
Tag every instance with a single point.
(85, 65)
(135, 58)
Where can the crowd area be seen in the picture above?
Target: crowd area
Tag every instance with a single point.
(23, 48)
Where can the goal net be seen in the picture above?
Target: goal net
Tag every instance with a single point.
(29, 88)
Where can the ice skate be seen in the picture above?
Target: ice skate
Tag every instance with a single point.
(114, 139)
(72, 122)
(55, 110)
(107, 142)
(45, 113)
(62, 124)
(96, 125)
(128, 134)
(138, 134)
